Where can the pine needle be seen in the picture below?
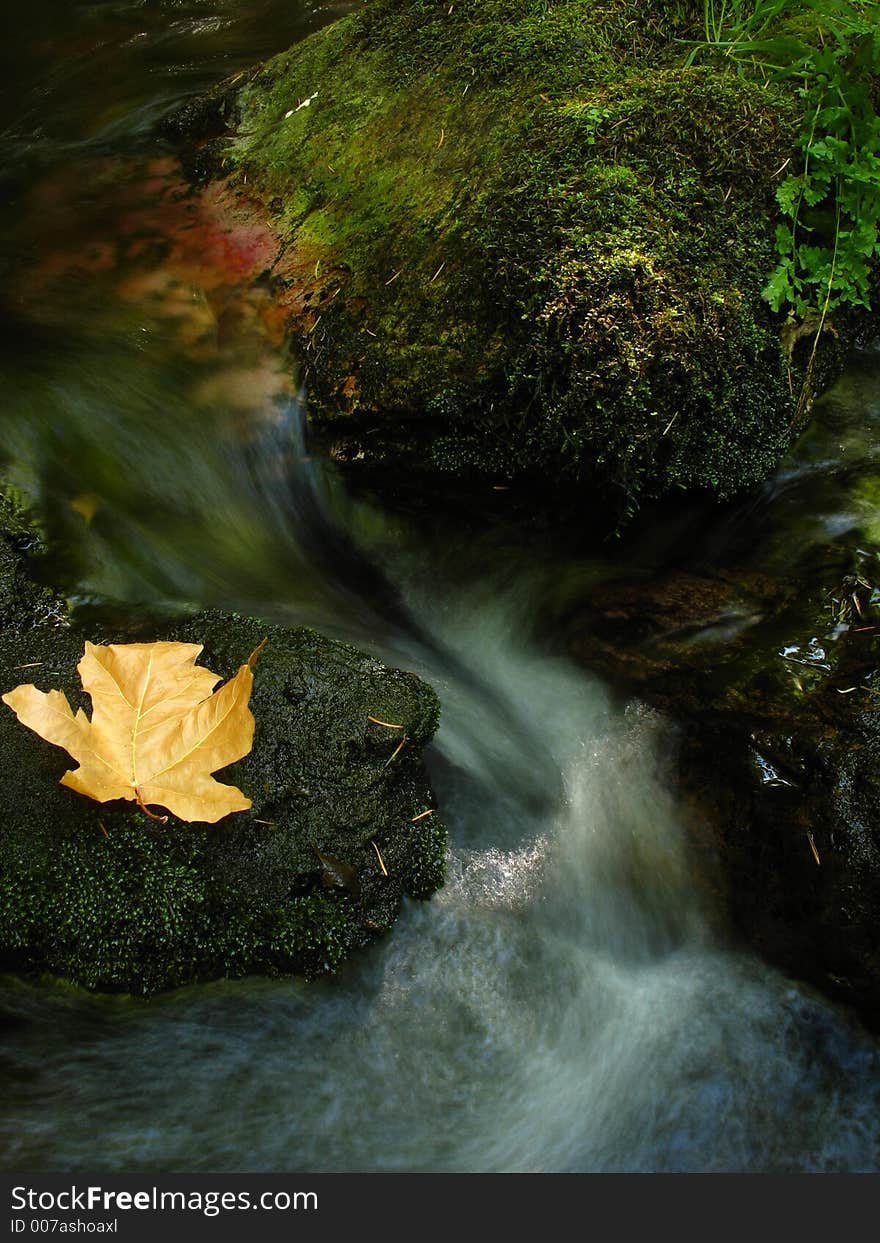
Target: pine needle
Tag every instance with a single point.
(379, 857)
(397, 750)
(813, 848)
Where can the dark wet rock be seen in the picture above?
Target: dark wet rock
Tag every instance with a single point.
(643, 628)
(773, 682)
(103, 897)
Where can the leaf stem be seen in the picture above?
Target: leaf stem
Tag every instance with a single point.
(145, 809)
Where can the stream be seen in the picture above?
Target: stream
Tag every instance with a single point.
(566, 1002)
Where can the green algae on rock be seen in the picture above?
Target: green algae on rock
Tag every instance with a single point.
(524, 241)
(105, 898)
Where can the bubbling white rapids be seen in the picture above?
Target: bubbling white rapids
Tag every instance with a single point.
(559, 1005)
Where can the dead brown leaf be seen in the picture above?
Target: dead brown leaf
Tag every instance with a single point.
(157, 731)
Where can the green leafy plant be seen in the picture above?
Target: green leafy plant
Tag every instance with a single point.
(727, 24)
(831, 207)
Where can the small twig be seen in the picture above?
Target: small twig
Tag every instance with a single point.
(813, 848)
(268, 822)
(805, 398)
(437, 273)
(103, 830)
(394, 277)
(387, 724)
(422, 815)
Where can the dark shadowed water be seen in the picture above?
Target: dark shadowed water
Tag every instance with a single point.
(564, 1003)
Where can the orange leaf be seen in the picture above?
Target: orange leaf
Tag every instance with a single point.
(157, 732)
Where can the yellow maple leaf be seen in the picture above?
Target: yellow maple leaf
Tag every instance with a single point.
(157, 731)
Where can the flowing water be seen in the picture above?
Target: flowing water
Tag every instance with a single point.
(565, 1002)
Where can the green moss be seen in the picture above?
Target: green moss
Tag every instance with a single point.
(22, 601)
(557, 43)
(425, 866)
(523, 240)
(137, 913)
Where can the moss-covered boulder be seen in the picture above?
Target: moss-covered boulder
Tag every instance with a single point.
(102, 896)
(523, 241)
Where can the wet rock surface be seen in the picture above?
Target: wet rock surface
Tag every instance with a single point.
(103, 897)
(772, 679)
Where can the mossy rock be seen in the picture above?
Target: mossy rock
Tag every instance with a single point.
(108, 899)
(523, 242)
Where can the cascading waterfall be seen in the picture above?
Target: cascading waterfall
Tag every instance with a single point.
(566, 1001)
(560, 1005)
